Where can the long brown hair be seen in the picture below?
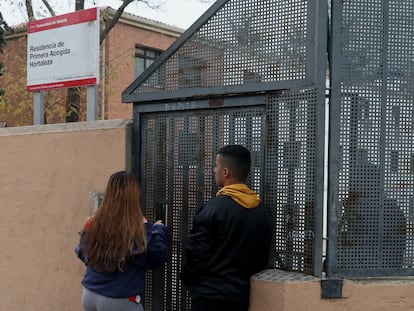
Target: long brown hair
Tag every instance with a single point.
(117, 229)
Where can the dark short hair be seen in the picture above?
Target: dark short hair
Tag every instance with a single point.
(238, 160)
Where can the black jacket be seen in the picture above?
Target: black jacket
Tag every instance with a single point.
(226, 245)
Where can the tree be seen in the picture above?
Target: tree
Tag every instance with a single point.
(16, 106)
(109, 19)
(3, 28)
(73, 96)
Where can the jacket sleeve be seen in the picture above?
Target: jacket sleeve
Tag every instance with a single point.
(197, 247)
(80, 249)
(158, 251)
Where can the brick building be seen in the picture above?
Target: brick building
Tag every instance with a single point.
(130, 47)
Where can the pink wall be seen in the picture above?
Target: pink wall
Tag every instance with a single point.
(277, 290)
(47, 174)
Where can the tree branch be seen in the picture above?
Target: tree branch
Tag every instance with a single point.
(79, 5)
(49, 8)
(29, 9)
(114, 20)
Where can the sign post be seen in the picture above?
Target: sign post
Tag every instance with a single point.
(39, 108)
(63, 51)
(92, 102)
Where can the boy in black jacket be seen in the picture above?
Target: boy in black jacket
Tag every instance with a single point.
(229, 240)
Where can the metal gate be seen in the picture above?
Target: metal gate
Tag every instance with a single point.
(371, 160)
(255, 73)
(177, 160)
(177, 151)
(248, 72)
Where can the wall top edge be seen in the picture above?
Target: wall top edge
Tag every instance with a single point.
(64, 127)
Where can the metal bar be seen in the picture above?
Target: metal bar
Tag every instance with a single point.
(212, 92)
(334, 136)
(92, 102)
(39, 108)
(203, 104)
(318, 53)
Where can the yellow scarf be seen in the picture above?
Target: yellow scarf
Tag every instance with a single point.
(241, 194)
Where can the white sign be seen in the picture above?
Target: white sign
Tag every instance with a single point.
(63, 51)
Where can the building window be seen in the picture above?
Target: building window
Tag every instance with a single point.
(144, 57)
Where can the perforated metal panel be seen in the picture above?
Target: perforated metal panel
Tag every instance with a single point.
(202, 94)
(290, 176)
(177, 160)
(372, 125)
(244, 41)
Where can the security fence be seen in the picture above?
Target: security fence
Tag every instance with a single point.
(371, 139)
(257, 73)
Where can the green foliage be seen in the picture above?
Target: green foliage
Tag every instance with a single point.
(3, 28)
(16, 103)
(2, 44)
(16, 106)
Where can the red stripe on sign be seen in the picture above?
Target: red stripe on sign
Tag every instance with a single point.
(56, 85)
(74, 18)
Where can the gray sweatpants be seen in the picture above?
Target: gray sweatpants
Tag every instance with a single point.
(94, 302)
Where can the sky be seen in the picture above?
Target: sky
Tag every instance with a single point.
(180, 13)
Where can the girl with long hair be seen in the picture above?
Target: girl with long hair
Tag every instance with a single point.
(118, 245)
